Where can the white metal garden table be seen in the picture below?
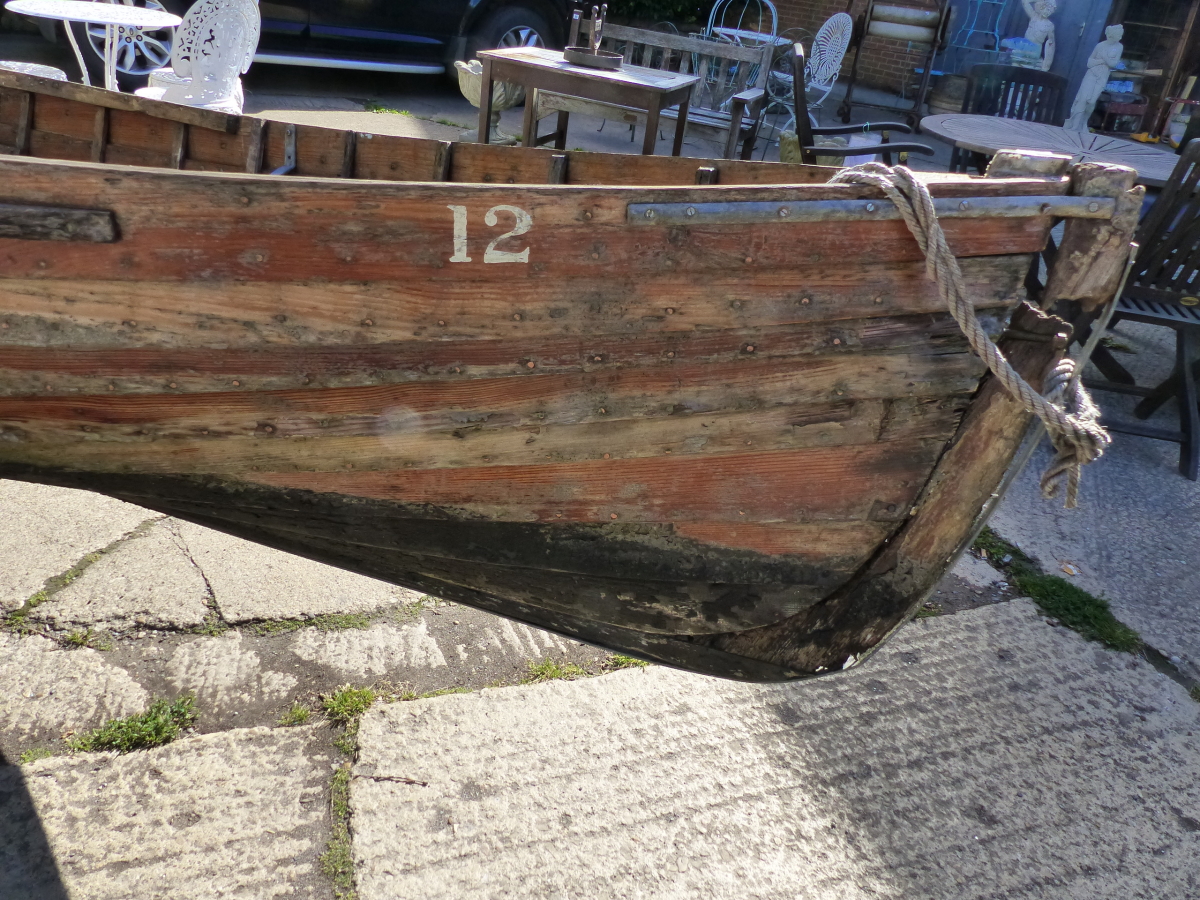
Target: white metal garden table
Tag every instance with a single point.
(120, 23)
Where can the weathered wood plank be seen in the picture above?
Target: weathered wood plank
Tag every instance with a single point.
(429, 319)
(292, 443)
(69, 118)
(99, 134)
(84, 94)
(876, 481)
(49, 223)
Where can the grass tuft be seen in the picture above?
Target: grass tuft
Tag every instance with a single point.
(162, 723)
(337, 862)
(549, 670)
(297, 715)
(87, 638)
(376, 107)
(621, 661)
(928, 610)
(28, 756)
(1072, 606)
(347, 703)
(1194, 693)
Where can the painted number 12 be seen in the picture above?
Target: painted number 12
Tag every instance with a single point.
(523, 221)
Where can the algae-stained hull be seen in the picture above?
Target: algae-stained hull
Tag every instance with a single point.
(726, 426)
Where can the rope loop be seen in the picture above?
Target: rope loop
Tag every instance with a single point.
(1071, 418)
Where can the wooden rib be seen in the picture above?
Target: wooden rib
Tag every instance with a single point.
(706, 175)
(442, 161)
(558, 169)
(348, 153)
(24, 123)
(179, 147)
(99, 134)
(876, 481)
(255, 144)
(423, 317)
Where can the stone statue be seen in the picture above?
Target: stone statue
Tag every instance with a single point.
(1099, 67)
(1041, 29)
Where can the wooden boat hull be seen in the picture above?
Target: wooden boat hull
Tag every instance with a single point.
(724, 437)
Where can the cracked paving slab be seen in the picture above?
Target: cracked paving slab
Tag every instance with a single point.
(252, 582)
(146, 581)
(977, 755)
(224, 674)
(47, 530)
(46, 690)
(242, 813)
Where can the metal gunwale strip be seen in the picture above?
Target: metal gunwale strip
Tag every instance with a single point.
(762, 211)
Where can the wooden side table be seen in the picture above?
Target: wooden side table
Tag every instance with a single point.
(538, 69)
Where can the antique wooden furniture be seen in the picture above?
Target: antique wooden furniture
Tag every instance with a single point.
(725, 104)
(1009, 92)
(538, 69)
(988, 134)
(805, 132)
(709, 412)
(1162, 290)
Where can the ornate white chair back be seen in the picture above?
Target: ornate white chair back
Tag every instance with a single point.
(828, 50)
(214, 45)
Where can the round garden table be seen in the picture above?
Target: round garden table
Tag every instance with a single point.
(988, 134)
(120, 23)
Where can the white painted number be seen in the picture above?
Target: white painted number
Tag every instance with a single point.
(523, 221)
(460, 234)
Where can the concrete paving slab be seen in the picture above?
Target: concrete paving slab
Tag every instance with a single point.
(225, 675)
(1134, 536)
(149, 580)
(976, 572)
(46, 690)
(984, 754)
(243, 813)
(252, 583)
(47, 530)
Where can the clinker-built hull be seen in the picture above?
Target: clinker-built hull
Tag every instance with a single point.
(725, 425)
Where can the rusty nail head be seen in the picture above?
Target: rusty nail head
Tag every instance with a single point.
(879, 299)
(237, 384)
(529, 365)
(606, 456)
(670, 310)
(441, 321)
(172, 384)
(603, 410)
(612, 515)
(804, 301)
(749, 348)
(837, 340)
(749, 259)
(517, 317)
(670, 354)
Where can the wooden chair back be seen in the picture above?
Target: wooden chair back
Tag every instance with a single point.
(1167, 268)
(1012, 92)
(724, 69)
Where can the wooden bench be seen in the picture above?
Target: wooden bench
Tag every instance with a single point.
(726, 104)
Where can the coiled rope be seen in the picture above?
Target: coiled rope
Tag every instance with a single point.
(1070, 416)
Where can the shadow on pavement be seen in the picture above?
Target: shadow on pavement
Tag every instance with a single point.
(27, 866)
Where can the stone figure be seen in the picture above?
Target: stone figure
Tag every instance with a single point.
(1041, 29)
(1100, 64)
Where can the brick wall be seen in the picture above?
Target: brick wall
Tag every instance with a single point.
(884, 64)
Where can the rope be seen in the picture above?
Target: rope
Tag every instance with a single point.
(1070, 416)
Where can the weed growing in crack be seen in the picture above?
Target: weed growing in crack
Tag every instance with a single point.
(440, 692)
(410, 611)
(621, 661)
(550, 670)
(87, 638)
(376, 107)
(928, 610)
(1057, 597)
(1194, 693)
(345, 707)
(297, 715)
(28, 756)
(337, 862)
(162, 723)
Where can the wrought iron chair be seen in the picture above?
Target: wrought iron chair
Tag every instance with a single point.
(821, 72)
(1163, 289)
(1009, 92)
(805, 132)
(214, 46)
(745, 22)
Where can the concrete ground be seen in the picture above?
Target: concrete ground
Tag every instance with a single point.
(984, 753)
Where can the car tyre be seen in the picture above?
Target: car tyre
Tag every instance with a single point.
(512, 26)
(150, 50)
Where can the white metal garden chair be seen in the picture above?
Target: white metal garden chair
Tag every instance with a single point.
(214, 47)
(821, 72)
(746, 22)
